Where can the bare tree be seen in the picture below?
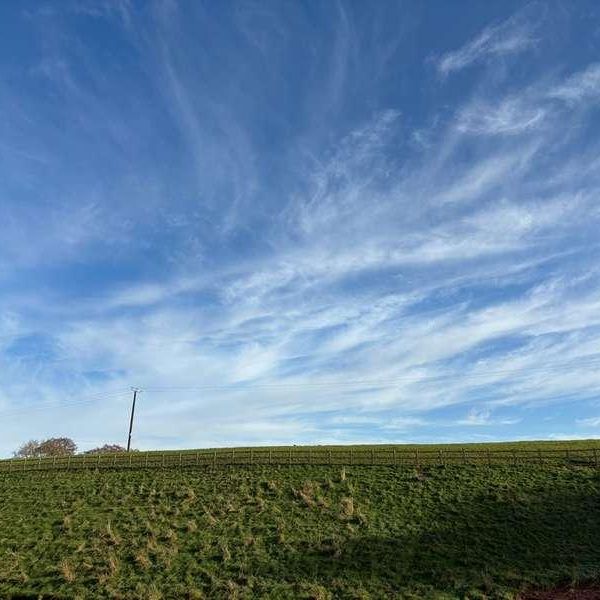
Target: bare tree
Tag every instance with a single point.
(58, 447)
(29, 449)
(51, 447)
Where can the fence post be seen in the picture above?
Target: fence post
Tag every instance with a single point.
(197, 458)
(596, 457)
(215, 458)
(329, 454)
(514, 457)
(290, 456)
(489, 457)
(146, 460)
(163, 459)
(351, 457)
(372, 456)
(464, 453)
(270, 455)
(180, 458)
(40, 462)
(395, 457)
(233, 456)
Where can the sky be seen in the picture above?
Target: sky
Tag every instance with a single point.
(295, 222)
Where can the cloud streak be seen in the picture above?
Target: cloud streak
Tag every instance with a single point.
(512, 36)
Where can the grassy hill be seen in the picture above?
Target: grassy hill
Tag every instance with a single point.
(299, 531)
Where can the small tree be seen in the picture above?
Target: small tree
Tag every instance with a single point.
(50, 447)
(106, 449)
(29, 449)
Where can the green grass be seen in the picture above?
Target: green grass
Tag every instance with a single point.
(298, 531)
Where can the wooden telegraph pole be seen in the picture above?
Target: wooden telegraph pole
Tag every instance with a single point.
(135, 393)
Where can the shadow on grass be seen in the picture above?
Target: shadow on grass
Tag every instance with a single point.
(491, 543)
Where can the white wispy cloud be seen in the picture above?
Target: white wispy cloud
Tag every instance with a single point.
(511, 117)
(589, 422)
(581, 86)
(483, 417)
(512, 36)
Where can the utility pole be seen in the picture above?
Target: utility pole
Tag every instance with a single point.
(135, 393)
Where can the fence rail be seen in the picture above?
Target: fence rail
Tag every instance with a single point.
(307, 456)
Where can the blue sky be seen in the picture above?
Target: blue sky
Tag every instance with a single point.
(294, 222)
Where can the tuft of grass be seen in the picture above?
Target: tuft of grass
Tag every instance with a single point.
(311, 495)
(347, 508)
(67, 524)
(281, 539)
(110, 535)
(152, 543)
(191, 526)
(317, 592)
(143, 560)
(260, 504)
(210, 518)
(171, 536)
(113, 563)
(67, 570)
(225, 552)
(154, 593)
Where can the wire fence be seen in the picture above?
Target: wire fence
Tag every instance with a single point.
(589, 457)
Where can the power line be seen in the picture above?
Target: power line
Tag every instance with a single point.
(595, 361)
(50, 405)
(472, 377)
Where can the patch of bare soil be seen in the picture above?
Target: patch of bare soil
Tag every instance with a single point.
(564, 593)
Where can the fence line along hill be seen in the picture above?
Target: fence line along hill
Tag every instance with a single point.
(580, 453)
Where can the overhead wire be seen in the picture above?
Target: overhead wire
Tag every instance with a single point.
(53, 405)
(415, 378)
(360, 384)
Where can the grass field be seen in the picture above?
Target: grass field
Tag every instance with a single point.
(300, 531)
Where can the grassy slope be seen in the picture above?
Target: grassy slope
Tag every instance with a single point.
(298, 532)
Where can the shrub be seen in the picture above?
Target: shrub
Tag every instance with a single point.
(106, 449)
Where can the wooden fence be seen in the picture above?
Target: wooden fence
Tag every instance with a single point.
(589, 457)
